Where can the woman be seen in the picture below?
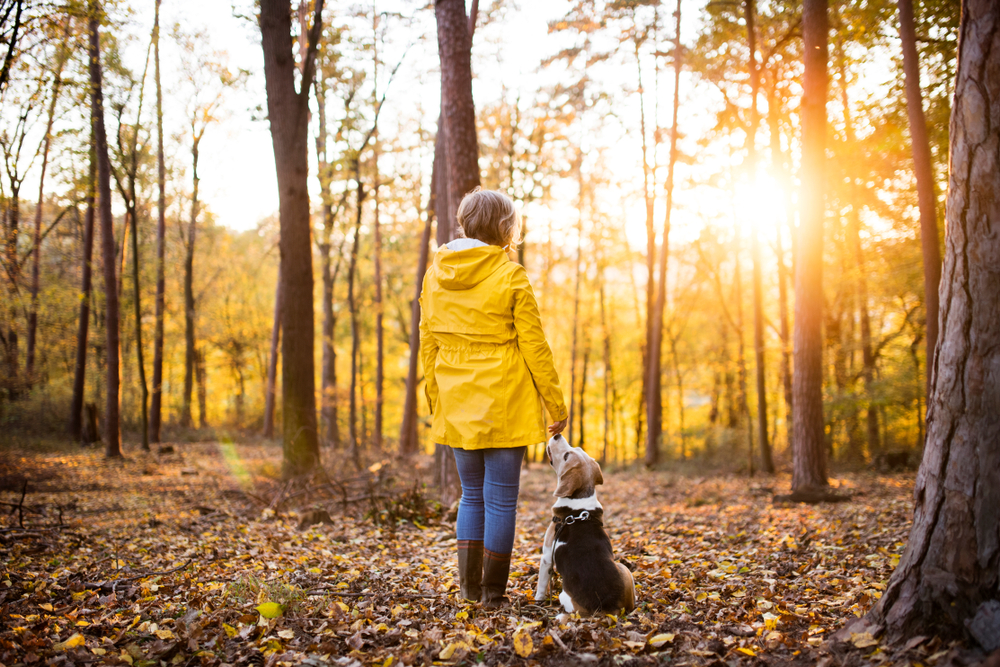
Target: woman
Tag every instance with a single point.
(488, 369)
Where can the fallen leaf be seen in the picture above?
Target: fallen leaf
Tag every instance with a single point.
(523, 645)
(286, 634)
(863, 640)
(747, 651)
(75, 640)
(659, 640)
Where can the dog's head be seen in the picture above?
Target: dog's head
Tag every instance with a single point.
(577, 473)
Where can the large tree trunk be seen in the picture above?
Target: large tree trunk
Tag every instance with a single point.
(457, 107)
(924, 173)
(61, 54)
(808, 452)
(948, 577)
(288, 111)
(83, 326)
(156, 409)
(461, 148)
(112, 432)
(654, 370)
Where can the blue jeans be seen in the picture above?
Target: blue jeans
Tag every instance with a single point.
(490, 482)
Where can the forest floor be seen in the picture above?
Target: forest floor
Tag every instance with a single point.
(179, 558)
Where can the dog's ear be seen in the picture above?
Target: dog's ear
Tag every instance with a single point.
(598, 477)
(570, 480)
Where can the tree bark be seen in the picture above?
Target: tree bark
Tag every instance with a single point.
(83, 326)
(288, 113)
(61, 55)
(950, 571)
(272, 363)
(155, 409)
(112, 432)
(576, 301)
(457, 107)
(808, 452)
(924, 173)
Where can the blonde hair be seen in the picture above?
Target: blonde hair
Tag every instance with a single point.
(489, 216)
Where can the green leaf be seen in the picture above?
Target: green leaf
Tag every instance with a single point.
(270, 609)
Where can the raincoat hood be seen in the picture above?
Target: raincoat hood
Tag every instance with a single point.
(464, 269)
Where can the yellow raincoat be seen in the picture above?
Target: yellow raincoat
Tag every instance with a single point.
(486, 362)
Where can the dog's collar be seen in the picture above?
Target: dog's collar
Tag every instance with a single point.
(576, 517)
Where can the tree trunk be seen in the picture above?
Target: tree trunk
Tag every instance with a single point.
(583, 389)
(156, 409)
(457, 107)
(656, 345)
(202, 381)
(83, 327)
(61, 54)
(741, 359)
(140, 362)
(288, 113)
(779, 163)
(409, 442)
(189, 313)
(272, 363)
(947, 579)
(379, 334)
(460, 170)
(924, 173)
(808, 453)
(328, 388)
(112, 433)
(352, 302)
(576, 302)
(650, 359)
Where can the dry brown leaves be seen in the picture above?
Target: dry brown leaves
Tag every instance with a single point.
(196, 558)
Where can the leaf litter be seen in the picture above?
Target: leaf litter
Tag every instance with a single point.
(202, 557)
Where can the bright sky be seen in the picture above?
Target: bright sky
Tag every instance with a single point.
(237, 168)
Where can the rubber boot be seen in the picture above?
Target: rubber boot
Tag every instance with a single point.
(496, 569)
(470, 569)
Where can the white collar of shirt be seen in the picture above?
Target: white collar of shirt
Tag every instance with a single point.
(465, 244)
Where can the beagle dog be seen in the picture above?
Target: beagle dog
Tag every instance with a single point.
(576, 542)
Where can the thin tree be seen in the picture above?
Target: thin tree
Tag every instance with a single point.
(924, 172)
(272, 363)
(654, 369)
(130, 157)
(946, 581)
(61, 55)
(749, 10)
(808, 450)
(288, 113)
(83, 325)
(155, 410)
(112, 433)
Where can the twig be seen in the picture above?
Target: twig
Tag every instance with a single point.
(403, 596)
(20, 505)
(111, 585)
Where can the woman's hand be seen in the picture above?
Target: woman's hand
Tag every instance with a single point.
(557, 427)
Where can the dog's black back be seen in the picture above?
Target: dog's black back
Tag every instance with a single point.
(586, 563)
